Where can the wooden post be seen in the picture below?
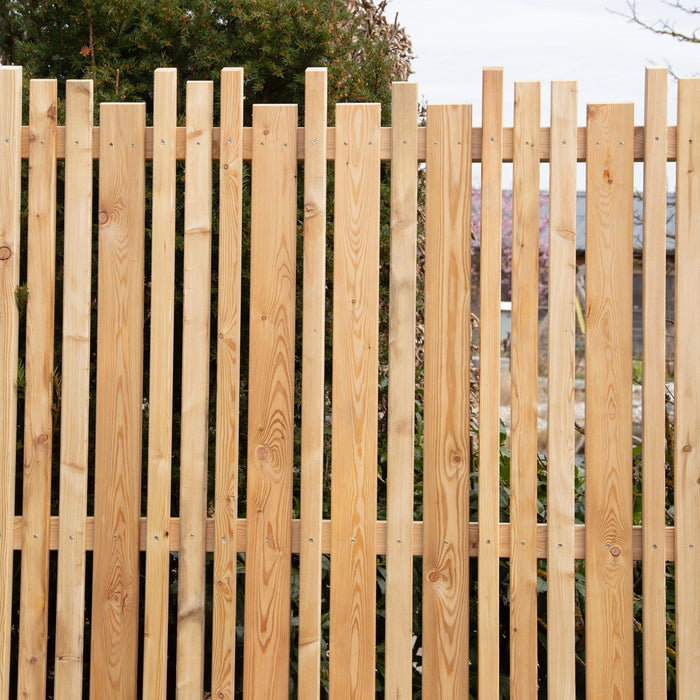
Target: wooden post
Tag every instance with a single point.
(75, 394)
(312, 382)
(195, 391)
(271, 402)
(160, 401)
(355, 374)
(561, 633)
(446, 452)
(609, 182)
(115, 586)
(228, 358)
(38, 395)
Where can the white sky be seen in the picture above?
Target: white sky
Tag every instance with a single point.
(541, 40)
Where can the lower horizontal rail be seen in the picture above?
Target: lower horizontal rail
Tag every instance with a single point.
(241, 538)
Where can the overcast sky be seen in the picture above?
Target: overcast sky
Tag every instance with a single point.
(540, 40)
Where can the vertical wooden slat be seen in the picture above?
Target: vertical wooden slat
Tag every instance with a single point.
(195, 390)
(10, 203)
(402, 377)
(271, 402)
(160, 400)
(490, 377)
(75, 395)
(446, 452)
(115, 585)
(312, 382)
(227, 384)
(609, 182)
(523, 402)
(561, 634)
(355, 371)
(41, 263)
(653, 384)
(687, 437)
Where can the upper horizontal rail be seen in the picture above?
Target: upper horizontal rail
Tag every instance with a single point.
(385, 144)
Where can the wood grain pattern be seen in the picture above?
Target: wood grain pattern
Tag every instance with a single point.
(561, 633)
(523, 398)
(195, 392)
(228, 358)
(490, 377)
(271, 403)
(38, 395)
(160, 398)
(115, 584)
(446, 452)
(609, 182)
(687, 436)
(653, 382)
(10, 204)
(313, 383)
(355, 373)
(402, 378)
(75, 394)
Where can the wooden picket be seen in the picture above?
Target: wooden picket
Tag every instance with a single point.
(363, 639)
(75, 396)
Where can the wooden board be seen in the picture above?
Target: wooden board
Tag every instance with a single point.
(609, 183)
(489, 630)
(271, 403)
(228, 360)
(75, 394)
(446, 453)
(523, 397)
(653, 383)
(10, 204)
(115, 583)
(561, 633)
(313, 383)
(402, 380)
(160, 390)
(355, 374)
(687, 435)
(38, 394)
(195, 392)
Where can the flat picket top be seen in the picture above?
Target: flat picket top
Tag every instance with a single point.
(385, 143)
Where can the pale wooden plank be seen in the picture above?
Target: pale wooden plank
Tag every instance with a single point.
(609, 183)
(446, 452)
(523, 401)
(195, 391)
(653, 381)
(36, 501)
(10, 205)
(384, 141)
(402, 378)
(227, 385)
(561, 633)
(355, 371)
(687, 434)
(115, 585)
(312, 383)
(489, 389)
(75, 394)
(271, 403)
(160, 399)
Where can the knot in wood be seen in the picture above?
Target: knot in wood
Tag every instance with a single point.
(433, 576)
(102, 217)
(42, 438)
(615, 551)
(262, 453)
(5, 252)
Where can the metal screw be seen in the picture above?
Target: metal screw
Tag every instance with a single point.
(311, 540)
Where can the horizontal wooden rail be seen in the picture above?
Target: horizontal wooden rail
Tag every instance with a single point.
(381, 530)
(385, 144)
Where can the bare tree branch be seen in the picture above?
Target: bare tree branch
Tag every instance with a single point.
(664, 27)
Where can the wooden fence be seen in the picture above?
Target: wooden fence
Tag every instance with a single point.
(114, 568)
